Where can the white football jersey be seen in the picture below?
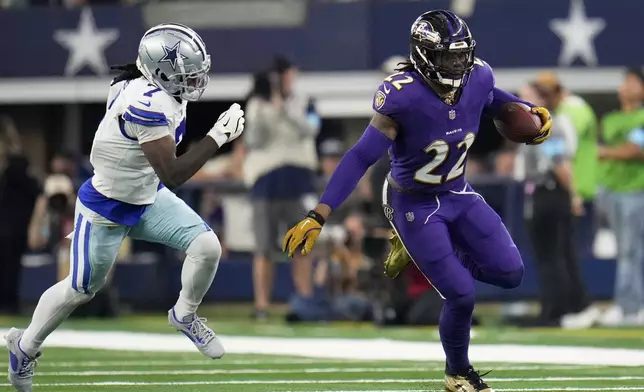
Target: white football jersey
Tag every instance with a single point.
(121, 170)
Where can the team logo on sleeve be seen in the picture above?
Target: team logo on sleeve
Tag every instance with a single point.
(389, 211)
(379, 100)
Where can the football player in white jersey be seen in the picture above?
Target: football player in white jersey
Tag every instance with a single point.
(135, 162)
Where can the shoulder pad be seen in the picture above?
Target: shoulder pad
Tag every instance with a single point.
(392, 95)
(483, 72)
(146, 104)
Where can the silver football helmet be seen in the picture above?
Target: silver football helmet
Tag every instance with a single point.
(173, 57)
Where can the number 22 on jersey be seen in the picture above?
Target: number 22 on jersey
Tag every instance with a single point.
(398, 82)
(427, 173)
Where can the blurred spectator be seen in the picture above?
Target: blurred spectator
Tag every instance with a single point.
(18, 192)
(552, 204)
(53, 219)
(64, 162)
(338, 295)
(584, 163)
(622, 177)
(281, 127)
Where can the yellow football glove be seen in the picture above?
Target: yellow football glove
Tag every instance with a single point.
(397, 259)
(546, 120)
(306, 232)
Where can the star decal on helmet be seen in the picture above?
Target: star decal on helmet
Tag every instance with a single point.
(171, 55)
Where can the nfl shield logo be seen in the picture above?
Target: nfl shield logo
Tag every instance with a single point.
(452, 114)
(410, 216)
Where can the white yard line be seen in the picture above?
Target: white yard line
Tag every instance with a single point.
(361, 349)
(94, 373)
(196, 362)
(359, 381)
(208, 362)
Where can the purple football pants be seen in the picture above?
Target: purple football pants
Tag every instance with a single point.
(455, 238)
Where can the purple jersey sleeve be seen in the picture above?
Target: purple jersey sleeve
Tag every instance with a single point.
(496, 97)
(369, 148)
(389, 99)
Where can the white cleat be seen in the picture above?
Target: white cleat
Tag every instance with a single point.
(21, 366)
(582, 320)
(199, 333)
(612, 317)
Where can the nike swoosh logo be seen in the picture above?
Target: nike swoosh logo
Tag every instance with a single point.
(146, 104)
(387, 91)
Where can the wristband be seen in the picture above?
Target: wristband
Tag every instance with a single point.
(219, 137)
(316, 217)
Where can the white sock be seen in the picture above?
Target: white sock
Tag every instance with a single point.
(54, 306)
(199, 269)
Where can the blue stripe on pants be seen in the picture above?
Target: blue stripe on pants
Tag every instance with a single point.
(87, 267)
(79, 220)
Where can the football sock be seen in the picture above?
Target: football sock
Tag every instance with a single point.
(199, 269)
(54, 306)
(454, 327)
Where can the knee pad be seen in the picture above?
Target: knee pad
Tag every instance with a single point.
(511, 273)
(75, 297)
(512, 278)
(206, 247)
(515, 277)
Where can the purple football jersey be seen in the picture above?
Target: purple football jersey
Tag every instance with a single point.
(430, 152)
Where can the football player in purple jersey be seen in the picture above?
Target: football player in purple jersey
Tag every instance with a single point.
(427, 117)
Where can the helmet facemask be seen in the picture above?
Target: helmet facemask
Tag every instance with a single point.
(447, 66)
(191, 85)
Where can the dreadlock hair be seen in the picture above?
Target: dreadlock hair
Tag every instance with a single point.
(128, 72)
(405, 66)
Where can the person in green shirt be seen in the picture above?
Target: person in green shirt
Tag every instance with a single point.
(581, 180)
(621, 175)
(584, 162)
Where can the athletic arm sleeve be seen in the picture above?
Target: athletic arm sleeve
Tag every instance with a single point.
(497, 98)
(370, 147)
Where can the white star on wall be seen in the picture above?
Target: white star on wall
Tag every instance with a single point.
(86, 45)
(577, 34)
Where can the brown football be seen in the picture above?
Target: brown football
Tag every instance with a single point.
(517, 123)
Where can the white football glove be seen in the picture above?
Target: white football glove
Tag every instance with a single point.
(229, 125)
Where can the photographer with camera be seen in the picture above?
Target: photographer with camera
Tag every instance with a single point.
(53, 219)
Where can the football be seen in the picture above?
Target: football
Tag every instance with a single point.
(517, 123)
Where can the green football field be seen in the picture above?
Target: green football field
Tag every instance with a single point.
(98, 370)
(248, 369)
